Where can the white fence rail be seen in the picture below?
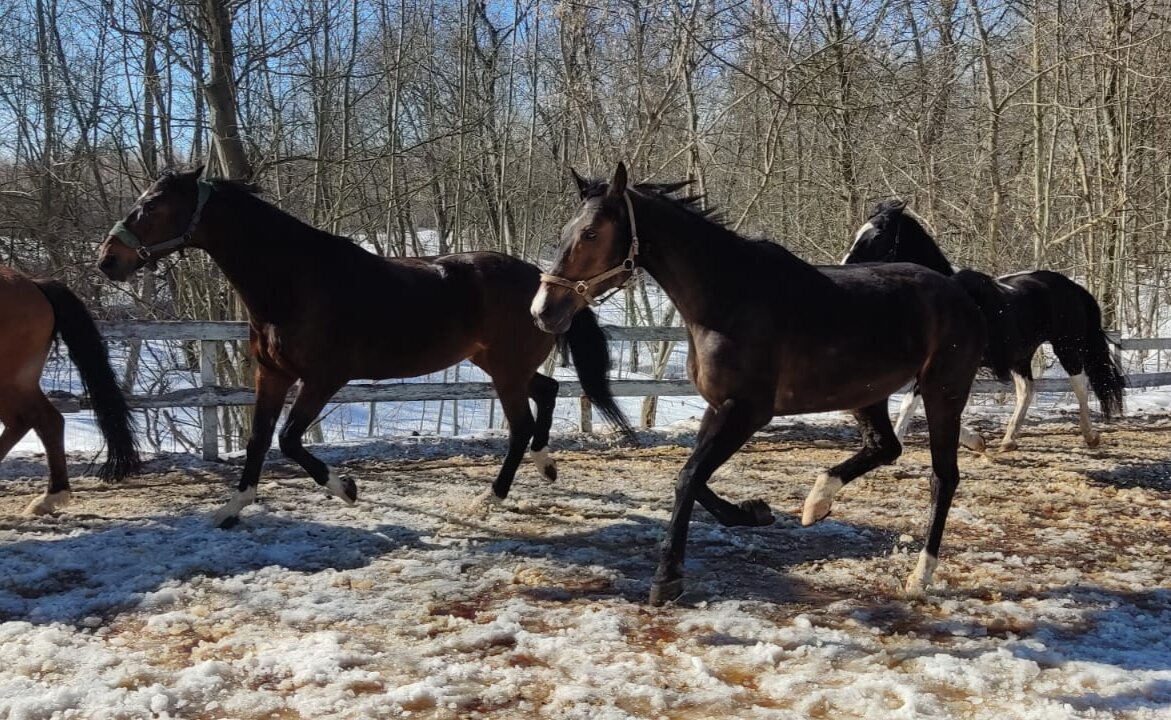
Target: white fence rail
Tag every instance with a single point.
(209, 396)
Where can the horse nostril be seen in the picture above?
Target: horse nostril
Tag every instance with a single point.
(107, 263)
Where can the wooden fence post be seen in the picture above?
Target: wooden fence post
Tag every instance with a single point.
(587, 415)
(209, 420)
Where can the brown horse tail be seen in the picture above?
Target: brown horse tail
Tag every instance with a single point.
(87, 350)
(1105, 376)
(590, 352)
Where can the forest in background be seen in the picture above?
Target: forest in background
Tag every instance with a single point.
(1029, 134)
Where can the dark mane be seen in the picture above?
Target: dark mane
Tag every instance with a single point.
(667, 192)
(240, 186)
(268, 217)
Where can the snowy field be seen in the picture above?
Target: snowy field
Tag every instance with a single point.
(1051, 601)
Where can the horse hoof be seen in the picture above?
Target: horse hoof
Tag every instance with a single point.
(972, 440)
(665, 592)
(484, 502)
(759, 513)
(545, 466)
(342, 487)
(920, 577)
(821, 499)
(1007, 445)
(48, 503)
(227, 516)
(1093, 440)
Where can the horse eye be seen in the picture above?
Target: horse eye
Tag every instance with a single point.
(149, 205)
(590, 234)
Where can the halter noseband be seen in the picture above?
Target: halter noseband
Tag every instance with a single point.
(585, 287)
(150, 253)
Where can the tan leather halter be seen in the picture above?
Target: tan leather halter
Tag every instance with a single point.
(585, 287)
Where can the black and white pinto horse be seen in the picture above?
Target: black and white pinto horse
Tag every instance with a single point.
(1022, 310)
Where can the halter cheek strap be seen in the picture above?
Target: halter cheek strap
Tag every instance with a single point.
(154, 252)
(586, 287)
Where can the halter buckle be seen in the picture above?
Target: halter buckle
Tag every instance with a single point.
(582, 288)
(143, 252)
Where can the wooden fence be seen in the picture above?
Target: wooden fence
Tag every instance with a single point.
(208, 396)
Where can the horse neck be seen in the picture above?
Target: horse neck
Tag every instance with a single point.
(256, 252)
(694, 259)
(924, 251)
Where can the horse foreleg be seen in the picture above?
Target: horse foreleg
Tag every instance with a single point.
(943, 420)
(879, 447)
(722, 432)
(1024, 397)
(746, 513)
(514, 399)
(271, 388)
(543, 391)
(308, 405)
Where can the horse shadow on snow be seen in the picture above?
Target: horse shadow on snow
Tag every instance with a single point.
(49, 578)
(722, 563)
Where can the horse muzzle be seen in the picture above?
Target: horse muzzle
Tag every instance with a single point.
(553, 309)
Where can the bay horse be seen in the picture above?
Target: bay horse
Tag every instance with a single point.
(1021, 311)
(325, 311)
(769, 334)
(33, 312)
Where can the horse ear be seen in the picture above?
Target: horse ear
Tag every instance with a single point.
(582, 183)
(198, 171)
(618, 183)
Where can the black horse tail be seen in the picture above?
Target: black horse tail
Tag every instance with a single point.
(87, 350)
(590, 352)
(1105, 375)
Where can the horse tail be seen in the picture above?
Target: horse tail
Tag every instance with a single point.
(1105, 375)
(590, 352)
(87, 350)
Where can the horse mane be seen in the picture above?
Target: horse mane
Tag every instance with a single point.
(248, 196)
(243, 187)
(897, 206)
(664, 191)
(734, 244)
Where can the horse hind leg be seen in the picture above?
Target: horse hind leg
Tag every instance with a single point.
(910, 404)
(1073, 362)
(1081, 388)
(308, 405)
(543, 391)
(879, 447)
(12, 434)
(49, 426)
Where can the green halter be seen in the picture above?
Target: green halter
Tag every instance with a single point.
(153, 252)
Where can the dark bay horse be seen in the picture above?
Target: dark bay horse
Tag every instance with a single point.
(32, 314)
(324, 311)
(1021, 310)
(772, 335)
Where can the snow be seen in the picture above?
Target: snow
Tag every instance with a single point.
(1051, 600)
